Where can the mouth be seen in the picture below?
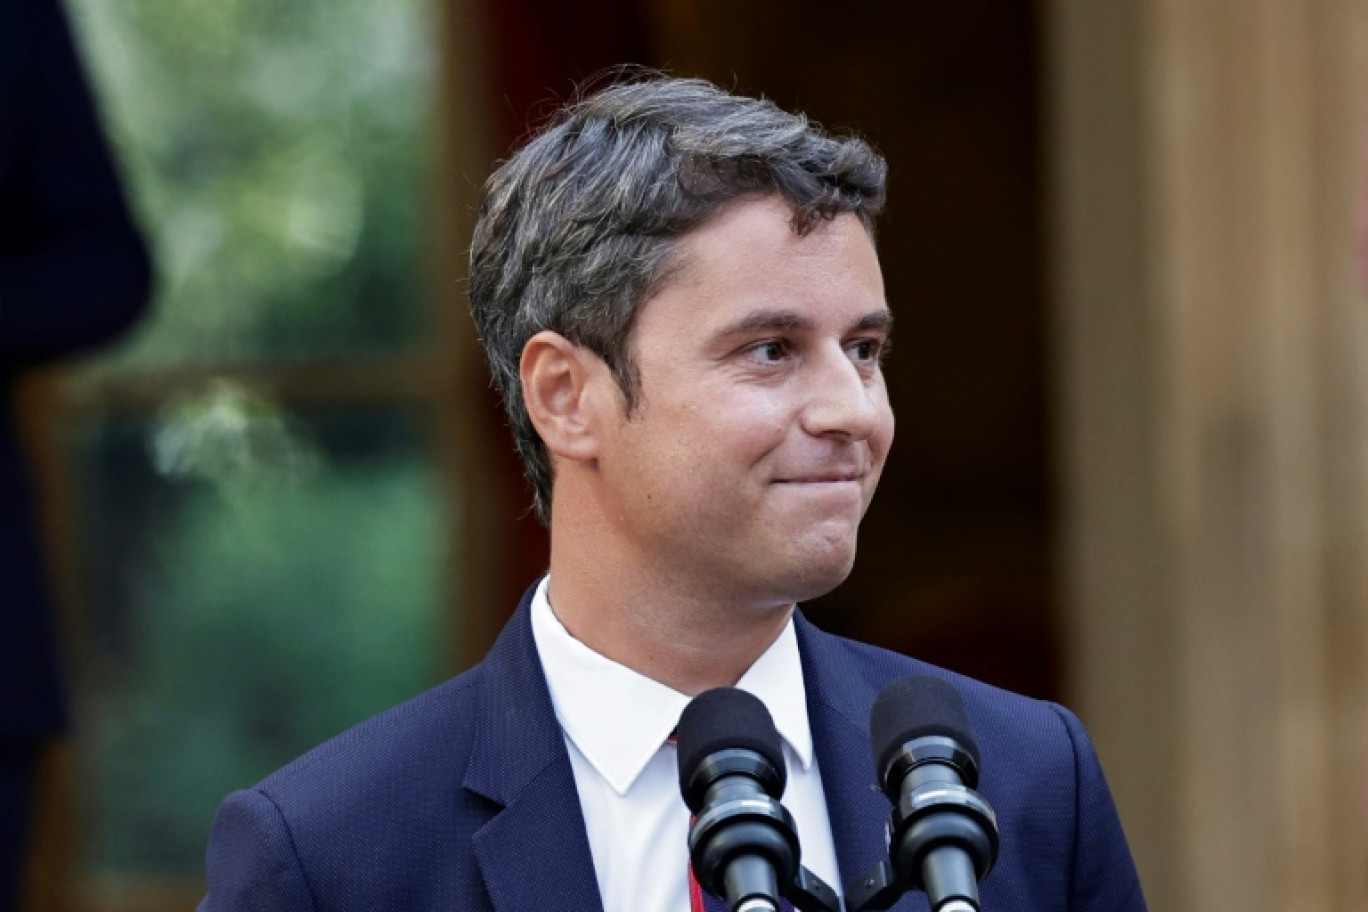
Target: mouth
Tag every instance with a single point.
(824, 478)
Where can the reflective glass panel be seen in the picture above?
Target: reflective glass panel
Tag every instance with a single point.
(244, 602)
(278, 155)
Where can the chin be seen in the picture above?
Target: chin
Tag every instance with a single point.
(813, 572)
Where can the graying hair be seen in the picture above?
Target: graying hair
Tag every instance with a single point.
(576, 228)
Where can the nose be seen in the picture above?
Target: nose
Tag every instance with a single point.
(844, 402)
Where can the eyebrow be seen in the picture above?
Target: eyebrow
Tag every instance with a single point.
(787, 321)
(878, 320)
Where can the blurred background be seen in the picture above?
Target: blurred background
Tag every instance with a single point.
(1124, 244)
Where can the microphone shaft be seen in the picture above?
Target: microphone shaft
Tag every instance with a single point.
(751, 883)
(948, 875)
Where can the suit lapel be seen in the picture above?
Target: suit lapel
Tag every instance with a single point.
(839, 699)
(534, 852)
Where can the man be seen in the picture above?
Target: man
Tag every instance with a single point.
(73, 274)
(680, 299)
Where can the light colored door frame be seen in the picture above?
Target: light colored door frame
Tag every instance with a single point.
(1207, 164)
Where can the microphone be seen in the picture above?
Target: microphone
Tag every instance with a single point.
(743, 844)
(943, 836)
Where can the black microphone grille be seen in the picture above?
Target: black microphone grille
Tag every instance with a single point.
(914, 707)
(723, 718)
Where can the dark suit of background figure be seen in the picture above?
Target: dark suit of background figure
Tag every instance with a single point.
(73, 273)
(464, 798)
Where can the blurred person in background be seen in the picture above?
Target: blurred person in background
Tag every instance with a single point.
(74, 273)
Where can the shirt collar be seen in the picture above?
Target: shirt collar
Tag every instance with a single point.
(618, 718)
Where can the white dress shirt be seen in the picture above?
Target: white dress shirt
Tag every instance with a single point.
(617, 725)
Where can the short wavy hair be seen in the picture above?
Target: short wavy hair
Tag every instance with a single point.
(575, 230)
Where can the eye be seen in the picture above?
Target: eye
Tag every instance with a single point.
(869, 349)
(770, 351)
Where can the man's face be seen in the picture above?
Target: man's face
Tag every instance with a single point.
(762, 422)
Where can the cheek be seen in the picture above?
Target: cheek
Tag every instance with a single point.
(728, 431)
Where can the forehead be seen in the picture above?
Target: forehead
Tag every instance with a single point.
(749, 256)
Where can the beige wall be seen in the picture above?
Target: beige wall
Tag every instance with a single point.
(1207, 163)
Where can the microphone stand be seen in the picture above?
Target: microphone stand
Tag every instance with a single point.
(879, 889)
(809, 893)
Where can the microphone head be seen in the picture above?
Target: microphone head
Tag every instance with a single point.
(914, 707)
(721, 719)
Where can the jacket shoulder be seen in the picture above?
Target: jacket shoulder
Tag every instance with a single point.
(433, 730)
(843, 667)
(1062, 843)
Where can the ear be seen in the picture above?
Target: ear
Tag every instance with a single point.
(563, 389)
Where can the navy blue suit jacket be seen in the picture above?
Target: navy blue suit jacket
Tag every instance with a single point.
(464, 799)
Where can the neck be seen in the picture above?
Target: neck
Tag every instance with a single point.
(668, 628)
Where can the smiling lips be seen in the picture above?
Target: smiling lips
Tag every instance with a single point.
(823, 478)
